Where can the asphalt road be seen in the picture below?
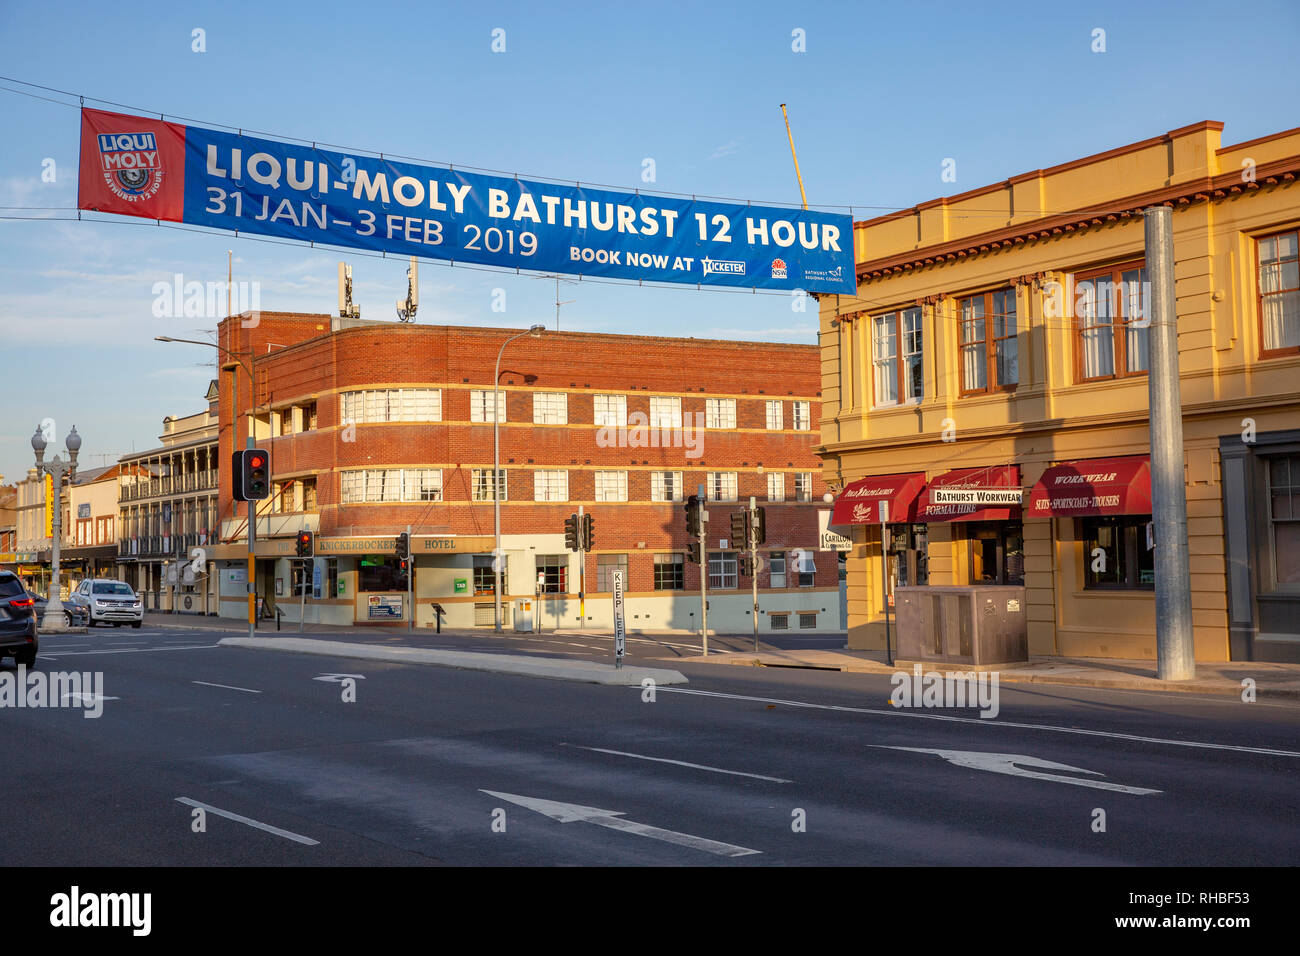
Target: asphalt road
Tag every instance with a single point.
(741, 766)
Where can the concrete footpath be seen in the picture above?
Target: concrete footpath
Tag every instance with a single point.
(1271, 681)
(588, 672)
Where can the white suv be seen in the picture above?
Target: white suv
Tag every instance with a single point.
(109, 602)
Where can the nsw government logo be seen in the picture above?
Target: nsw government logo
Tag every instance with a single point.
(723, 267)
(131, 164)
(778, 269)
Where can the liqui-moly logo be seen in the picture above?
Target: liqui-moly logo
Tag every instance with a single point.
(131, 164)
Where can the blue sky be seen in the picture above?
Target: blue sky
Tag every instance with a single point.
(882, 96)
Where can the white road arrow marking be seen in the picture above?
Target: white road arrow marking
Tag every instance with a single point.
(1006, 763)
(84, 699)
(339, 678)
(572, 812)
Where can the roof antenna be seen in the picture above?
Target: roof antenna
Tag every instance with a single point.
(406, 309)
(346, 309)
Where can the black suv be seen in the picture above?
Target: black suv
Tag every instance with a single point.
(17, 621)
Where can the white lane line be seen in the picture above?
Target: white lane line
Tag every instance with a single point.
(246, 690)
(984, 723)
(134, 650)
(124, 643)
(680, 763)
(295, 837)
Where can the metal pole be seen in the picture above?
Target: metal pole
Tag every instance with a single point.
(496, 492)
(753, 558)
(1175, 651)
(884, 588)
(302, 602)
(704, 572)
(582, 547)
(410, 580)
(249, 442)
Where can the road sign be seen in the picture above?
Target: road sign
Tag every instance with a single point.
(1006, 763)
(620, 630)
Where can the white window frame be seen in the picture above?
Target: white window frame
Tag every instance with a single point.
(775, 486)
(478, 410)
(803, 478)
(658, 490)
(551, 484)
(611, 486)
(415, 484)
(550, 408)
(801, 416)
(728, 570)
(609, 411)
(723, 486)
(775, 415)
(719, 413)
(482, 483)
(775, 561)
(665, 411)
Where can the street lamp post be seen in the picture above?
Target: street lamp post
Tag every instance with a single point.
(497, 558)
(249, 443)
(56, 468)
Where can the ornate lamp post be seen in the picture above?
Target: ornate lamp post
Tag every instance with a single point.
(56, 468)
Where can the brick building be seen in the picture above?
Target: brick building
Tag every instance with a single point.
(376, 426)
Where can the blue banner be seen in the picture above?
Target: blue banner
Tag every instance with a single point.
(261, 186)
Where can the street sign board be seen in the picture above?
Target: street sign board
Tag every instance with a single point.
(620, 629)
(976, 496)
(828, 540)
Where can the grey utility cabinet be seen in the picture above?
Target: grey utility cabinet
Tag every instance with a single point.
(976, 625)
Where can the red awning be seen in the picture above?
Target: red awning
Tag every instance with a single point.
(857, 502)
(1093, 486)
(992, 476)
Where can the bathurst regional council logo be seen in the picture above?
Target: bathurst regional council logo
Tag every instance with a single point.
(131, 164)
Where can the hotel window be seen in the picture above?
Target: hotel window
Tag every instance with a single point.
(989, 356)
(719, 413)
(722, 570)
(371, 485)
(1111, 322)
(482, 484)
(386, 405)
(776, 565)
(551, 485)
(1279, 295)
(606, 565)
(550, 408)
(485, 577)
(309, 500)
(1284, 520)
(665, 486)
(611, 486)
(896, 357)
(775, 416)
(670, 572)
(1115, 553)
(722, 486)
(423, 484)
(553, 570)
(803, 486)
(309, 416)
(775, 486)
(665, 412)
(609, 411)
(480, 405)
(801, 412)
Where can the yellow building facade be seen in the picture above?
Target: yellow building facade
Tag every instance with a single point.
(998, 339)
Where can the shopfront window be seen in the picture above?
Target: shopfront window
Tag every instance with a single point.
(553, 573)
(997, 552)
(381, 573)
(1116, 553)
(909, 563)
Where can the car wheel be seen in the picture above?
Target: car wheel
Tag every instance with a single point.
(26, 657)
(117, 623)
(136, 623)
(67, 618)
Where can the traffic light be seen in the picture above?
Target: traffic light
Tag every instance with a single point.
(251, 475)
(588, 532)
(572, 533)
(306, 544)
(404, 545)
(746, 565)
(760, 526)
(740, 529)
(693, 550)
(694, 516)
